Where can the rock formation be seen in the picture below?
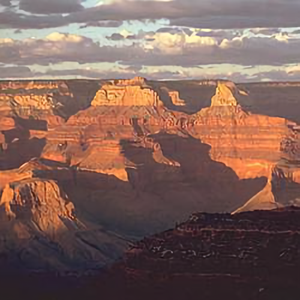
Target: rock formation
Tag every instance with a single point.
(135, 81)
(264, 200)
(127, 93)
(225, 95)
(132, 165)
(243, 141)
(174, 95)
(248, 255)
(40, 223)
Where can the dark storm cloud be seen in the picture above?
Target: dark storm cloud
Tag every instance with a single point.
(215, 14)
(51, 6)
(121, 73)
(120, 37)
(277, 75)
(5, 2)
(111, 24)
(115, 37)
(126, 72)
(15, 72)
(242, 51)
(59, 47)
(297, 31)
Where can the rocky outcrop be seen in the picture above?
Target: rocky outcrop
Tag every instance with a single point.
(39, 102)
(122, 94)
(136, 81)
(41, 99)
(241, 140)
(39, 224)
(264, 200)
(30, 85)
(40, 201)
(134, 166)
(225, 95)
(249, 255)
(175, 98)
(6, 198)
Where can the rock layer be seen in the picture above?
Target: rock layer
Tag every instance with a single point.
(132, 165)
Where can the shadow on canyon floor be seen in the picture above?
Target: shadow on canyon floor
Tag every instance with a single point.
(32, 124)
(20, 152)
(195, 96)
(286, 192)
(267, 100)
(83, 93)
(157, 195)
(20, 146)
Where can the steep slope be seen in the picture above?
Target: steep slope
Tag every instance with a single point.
(40, 230)
(249, 144)
(132, 166)
(246, 256)
(43, 99)
(264, 200)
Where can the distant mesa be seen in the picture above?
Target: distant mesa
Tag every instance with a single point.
(133, 92)
(134, 81)
(174, 96)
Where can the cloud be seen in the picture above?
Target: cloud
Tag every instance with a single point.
(5, 2)
(217, 14)
(153, 49)
(265, 31)
(155, 73)
(168, 43)
(51, 6)
(15, 72)
(183, 50)
(62, 47)
(102, 24)
(123, 35)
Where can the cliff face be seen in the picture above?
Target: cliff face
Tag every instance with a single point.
(131, 110)
(128, 95)
(39, 224)
(248, 143)
(249, 256)
(25, 200)
(41, 99)
(134, 166)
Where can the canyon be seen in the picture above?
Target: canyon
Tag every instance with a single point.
(250, 255)
(87, 167)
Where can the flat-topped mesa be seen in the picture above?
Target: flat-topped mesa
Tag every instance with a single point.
(30, 85)
(141, 81)
(126, 95)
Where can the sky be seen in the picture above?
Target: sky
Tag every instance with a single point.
(239, 40)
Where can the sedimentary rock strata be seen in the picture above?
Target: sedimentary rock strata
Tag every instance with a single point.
(130, 163)
(240, 138)
(128, 95)
(250, 255)
(38, 221)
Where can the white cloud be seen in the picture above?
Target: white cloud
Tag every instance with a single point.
(177, 43)
(64, 37)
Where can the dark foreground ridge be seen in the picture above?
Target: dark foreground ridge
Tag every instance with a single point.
(252, 255)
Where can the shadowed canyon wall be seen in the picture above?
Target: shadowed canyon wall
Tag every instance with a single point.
(132, 157)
